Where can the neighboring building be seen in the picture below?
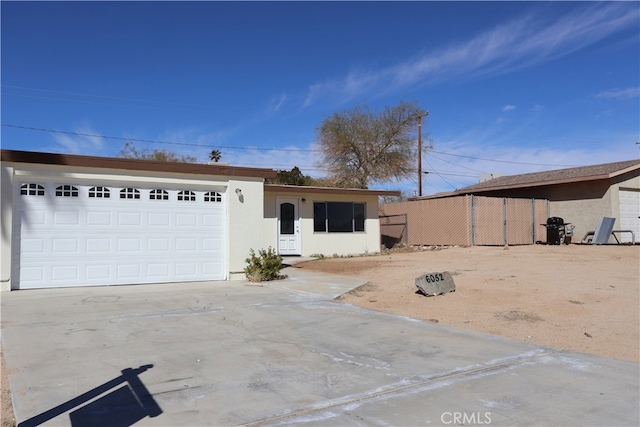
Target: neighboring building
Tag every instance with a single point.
(581, 195)
(71, 220)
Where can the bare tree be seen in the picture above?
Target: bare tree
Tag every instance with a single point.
(360, 147)
(129, 151)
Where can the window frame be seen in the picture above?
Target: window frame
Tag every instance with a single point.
(130, 193)
(186, 196)
(67, 190)
(326, 221)
(213, 197)
(32, 189)
(99, 192)
(158, 194)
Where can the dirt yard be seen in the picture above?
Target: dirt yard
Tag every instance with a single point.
(577, 297)
(8, 419)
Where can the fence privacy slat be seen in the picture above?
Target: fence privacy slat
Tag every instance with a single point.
(464, 221)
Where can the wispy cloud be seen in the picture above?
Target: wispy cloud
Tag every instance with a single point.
(508, 107)
(81, 143)
(276, 103)
(628, 93)
(513, 45)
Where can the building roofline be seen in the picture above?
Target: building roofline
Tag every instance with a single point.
(487, 187)
(33, 157)
(276, 188)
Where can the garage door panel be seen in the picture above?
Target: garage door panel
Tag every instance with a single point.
(629, 213)
(109, 241)
(30, 246)
(186, 244)
(129, 272)
(212, 220)
(66, 218)
(212, 245)
(98, 245)
(158, 244)
(126, 219)
(186, 270)
(99, 219)
(65, 273)
(129, 245)
(32, 218)
(213, 268)
(66, 246)
(159, 270)
(158, 219)
(32, 274)
(101, 273)
(186, 220)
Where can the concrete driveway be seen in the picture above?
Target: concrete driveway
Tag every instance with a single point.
(229, 353)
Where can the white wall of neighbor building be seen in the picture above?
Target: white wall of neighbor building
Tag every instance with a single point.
(328, 244)
(6, 228)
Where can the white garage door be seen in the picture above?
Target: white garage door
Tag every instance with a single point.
(629, 213)
(86, 235)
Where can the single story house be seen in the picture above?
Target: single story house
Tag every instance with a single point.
(70, 220)
(580, 195)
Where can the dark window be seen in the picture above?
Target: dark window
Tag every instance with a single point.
(319, 216)
(129, 193)
(158, 195)
(358, 216)
(66, 191)
(212, 196)
(186, 196)
(287, 218)
(99, 192)
(32, 190)
(338, 217)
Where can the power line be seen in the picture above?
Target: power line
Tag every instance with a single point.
(500, 161)
(154, 141)
(454, 164)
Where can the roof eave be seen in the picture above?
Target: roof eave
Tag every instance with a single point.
(533, 184)
(273, 188)
(74, 160)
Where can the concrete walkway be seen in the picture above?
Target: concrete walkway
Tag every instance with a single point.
(232, 353)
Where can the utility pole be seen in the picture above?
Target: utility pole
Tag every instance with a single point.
(420, 152)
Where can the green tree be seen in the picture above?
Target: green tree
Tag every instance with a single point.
(130, 151)
(292, 177)
(360, 146)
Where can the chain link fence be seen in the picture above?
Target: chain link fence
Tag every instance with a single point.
(465, 221)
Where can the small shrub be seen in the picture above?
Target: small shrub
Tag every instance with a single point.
(263, 267)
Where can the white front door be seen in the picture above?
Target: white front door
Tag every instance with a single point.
(288, 226)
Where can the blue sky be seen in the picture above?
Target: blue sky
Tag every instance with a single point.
(511, 87)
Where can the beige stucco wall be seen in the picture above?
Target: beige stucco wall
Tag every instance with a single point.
(585, 203)
(327, 244)
(243, 216)
(245, 223)
(6, 229)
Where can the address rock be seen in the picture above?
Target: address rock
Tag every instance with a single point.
(436, 283)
